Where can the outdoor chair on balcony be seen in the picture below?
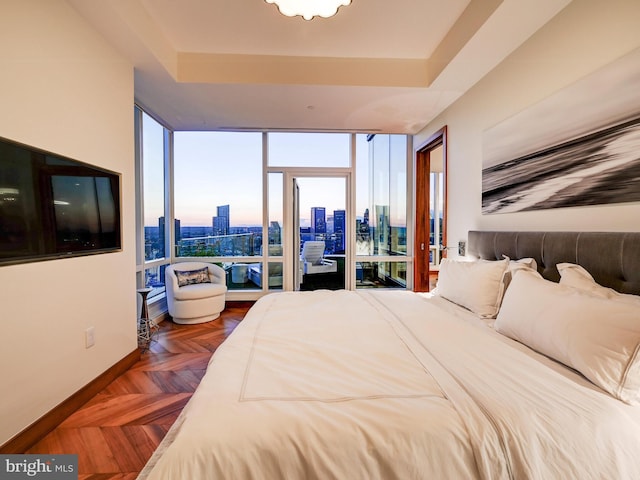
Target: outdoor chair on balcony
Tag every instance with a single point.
(313, 261)
(195, 291)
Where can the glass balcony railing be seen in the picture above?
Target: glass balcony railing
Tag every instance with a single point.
(234, 245)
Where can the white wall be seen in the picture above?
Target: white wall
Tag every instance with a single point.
(582, 38)
(63, 89)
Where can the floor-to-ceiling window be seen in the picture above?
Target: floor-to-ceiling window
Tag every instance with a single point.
(225, 194)
(152, 160)
(218, 202)
(381, 202)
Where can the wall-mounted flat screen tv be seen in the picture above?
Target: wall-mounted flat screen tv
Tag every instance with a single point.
(52, 206)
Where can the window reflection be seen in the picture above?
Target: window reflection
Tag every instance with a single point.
(382, 228)
(154, 278)
(249, 276)
(381, 274)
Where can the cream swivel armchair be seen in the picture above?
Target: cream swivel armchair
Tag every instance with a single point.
(195, 295)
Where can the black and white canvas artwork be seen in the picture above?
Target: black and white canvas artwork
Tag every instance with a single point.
(579, 147)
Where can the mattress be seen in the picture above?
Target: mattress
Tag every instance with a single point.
(390, 385)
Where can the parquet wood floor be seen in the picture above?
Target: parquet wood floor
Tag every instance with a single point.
(115, 433)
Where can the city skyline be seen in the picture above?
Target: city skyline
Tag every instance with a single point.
(217, 222)
(218, 238)
(206, 174)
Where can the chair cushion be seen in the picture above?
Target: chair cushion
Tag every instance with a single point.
(190, 277)
(199, 290)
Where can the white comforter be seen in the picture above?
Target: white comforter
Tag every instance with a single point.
(390, 385)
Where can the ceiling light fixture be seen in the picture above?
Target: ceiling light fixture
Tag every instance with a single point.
(308, 9)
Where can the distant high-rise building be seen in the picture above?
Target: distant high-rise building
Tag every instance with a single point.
(275, 234)
(329, 224)
(176, 226)
(154, 244)
(161, 227)
(339, 225)
(318, 220)
(383, 230)
(220, 223)
(223, 211)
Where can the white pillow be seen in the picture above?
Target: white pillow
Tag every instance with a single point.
(526, 262)
(515, 266)
(599, 337)
(576, 276)
(475, 285)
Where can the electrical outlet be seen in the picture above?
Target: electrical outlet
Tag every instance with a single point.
(89, 337)
(462, 248)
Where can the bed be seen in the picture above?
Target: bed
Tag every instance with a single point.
(469, 384)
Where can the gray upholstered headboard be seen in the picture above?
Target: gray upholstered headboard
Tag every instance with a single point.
(613, 258)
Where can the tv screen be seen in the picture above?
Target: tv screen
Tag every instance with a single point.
(52, 206)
